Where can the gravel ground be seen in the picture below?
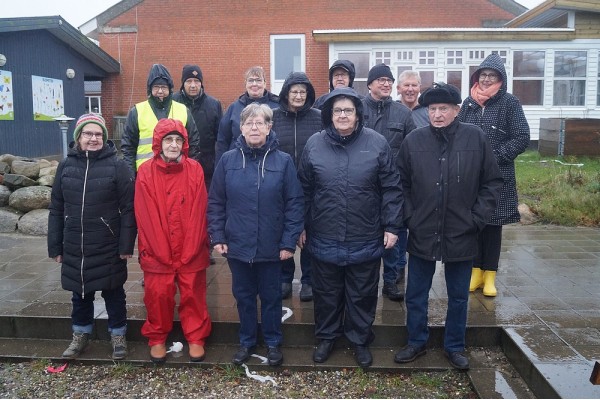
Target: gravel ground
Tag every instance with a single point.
(30, 380)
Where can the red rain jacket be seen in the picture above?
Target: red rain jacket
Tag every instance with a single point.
(170, 209)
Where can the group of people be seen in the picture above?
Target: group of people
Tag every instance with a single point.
(351, 180)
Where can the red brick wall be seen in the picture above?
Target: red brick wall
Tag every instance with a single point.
(225, 37)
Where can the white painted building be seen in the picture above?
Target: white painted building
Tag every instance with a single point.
(551, 54)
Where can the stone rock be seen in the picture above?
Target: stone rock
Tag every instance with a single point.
(51, 170)
(15, 182)
(46, 180)
(43, 163)
(35, 222)
(54, 163)
(527, 216)
(30, 198)
(4, 195)
(1, 179)
(8, 158)
(4, 168)
(9, 219)
(30, 169)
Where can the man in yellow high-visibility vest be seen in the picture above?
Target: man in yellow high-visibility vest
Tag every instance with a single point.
(136, 142)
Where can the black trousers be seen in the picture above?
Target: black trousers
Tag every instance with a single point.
(345, 300)
(489, 243)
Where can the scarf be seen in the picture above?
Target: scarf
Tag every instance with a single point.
(482, 95)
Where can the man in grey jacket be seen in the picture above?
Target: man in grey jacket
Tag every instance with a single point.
(393, 120)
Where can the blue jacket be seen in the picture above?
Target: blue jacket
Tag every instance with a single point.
(255, 203)
(229, 127)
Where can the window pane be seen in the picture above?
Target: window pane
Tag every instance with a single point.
(569, 93)
(570, 63)
(361, 63)
(426, 79)
(598, 95)
(528, 63)
(530, 93)
(287, 57)
(455, 79)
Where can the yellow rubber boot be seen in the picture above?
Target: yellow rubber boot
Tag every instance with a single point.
(476, 279)
(489, 281)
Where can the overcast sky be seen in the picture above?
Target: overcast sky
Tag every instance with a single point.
(78, 12)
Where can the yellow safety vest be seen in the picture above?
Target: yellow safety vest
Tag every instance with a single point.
(147, 122)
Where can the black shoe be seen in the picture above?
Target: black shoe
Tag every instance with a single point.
(458, 360)
(274, 356)
(363, 356)
(392, 292)
(242, 355)
(323, 350)
(286, 290)
(409, 353)
(306, 292)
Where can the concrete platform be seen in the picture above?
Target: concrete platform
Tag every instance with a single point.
(546, 317)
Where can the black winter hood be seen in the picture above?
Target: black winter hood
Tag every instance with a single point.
(493, 61)
(327, 110)
(345, 64)
(159, 71)
(297, 78)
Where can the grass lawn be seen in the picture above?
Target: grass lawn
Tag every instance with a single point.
(560, 190)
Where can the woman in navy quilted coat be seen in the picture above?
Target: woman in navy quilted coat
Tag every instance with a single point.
(501, 117)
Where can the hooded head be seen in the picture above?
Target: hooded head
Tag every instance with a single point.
(169, 126)
(296, 78)
(346, 65)
(159, 75)
(90, 119)
(493, 61)
(327, 109)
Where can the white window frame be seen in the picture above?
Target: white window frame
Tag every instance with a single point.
(276, 84)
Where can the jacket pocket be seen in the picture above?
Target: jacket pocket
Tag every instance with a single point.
(105, 222)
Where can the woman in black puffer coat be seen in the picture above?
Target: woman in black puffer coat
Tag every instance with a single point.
(294, 122)
(501, 117)
(91, 231)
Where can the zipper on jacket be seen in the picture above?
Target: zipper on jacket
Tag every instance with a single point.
(108, 226)
(87, 166)
(458, 173)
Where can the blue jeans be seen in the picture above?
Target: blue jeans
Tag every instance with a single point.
(247, 281)
(420, 276)
(394, 259)
(289, 266)
(82, 315)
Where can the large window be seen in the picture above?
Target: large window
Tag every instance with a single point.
(287, 55)
(569, 78)
(528, 77)
(361, 63)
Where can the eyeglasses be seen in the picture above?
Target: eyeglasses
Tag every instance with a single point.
(348, 111)
(258, 124)
(159, 88)
(442, 109)
(178, 140)
(252, 81)
(383, 81)
(492, 77)
(300, 93)
(89, 135)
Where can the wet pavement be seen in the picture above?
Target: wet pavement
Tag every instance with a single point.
(546, 317)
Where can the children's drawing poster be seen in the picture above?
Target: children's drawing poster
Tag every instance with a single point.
(7, 112)
(48, 98)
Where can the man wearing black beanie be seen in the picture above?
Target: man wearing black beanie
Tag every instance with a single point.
(206, 111)
(394, 121)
